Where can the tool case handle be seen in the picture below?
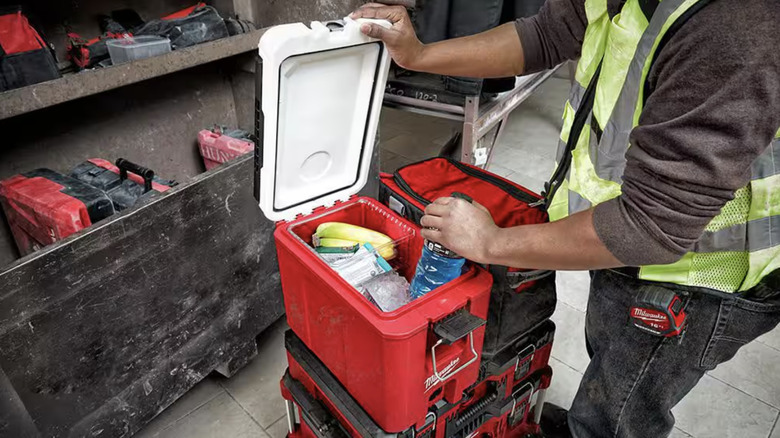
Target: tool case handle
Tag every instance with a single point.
(126, 166)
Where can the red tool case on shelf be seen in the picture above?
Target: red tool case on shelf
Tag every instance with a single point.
(43, 207)
(521, 299)
(125, 183)
(321, 95)
(217, 148)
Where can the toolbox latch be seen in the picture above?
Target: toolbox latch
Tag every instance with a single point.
(457, 326)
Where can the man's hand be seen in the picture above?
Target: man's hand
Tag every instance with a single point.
(465, 228)
(469, 230)
(400, 39)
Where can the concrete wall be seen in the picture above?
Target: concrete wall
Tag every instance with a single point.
(268, 12)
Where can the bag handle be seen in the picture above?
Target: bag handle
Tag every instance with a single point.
(516, 279)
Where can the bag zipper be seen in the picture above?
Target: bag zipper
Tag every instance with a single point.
(408, 190)
(503, 185)
(496, 181)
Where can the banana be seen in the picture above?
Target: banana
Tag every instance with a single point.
(342, 231)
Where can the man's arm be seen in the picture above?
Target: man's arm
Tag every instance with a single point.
(553, 36)
(715, 108)
(569, 244)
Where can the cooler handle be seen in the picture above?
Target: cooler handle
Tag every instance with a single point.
(474, 358)
(144, 172)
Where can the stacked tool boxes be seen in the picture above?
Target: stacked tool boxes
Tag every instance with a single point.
(504, 401)
(467, 359)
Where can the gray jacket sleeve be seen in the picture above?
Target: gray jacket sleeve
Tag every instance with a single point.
(714, 109)
(554, 35)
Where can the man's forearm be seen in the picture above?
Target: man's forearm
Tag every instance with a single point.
(569, 244)
(492, 54)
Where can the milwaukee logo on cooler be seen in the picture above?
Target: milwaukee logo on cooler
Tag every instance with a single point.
(431, 381)
(646, 315)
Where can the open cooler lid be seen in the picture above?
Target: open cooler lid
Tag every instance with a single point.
(322, 91)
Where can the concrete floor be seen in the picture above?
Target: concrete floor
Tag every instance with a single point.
(740, 399)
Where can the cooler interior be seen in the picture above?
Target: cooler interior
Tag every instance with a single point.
(406, 237)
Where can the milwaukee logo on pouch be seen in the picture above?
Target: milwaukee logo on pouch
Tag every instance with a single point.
(431, 381)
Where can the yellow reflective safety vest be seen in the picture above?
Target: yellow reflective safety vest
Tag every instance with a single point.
(742, 244)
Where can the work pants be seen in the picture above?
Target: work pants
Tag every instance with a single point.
(635, 378)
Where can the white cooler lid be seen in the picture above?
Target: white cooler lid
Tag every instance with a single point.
(322, 96)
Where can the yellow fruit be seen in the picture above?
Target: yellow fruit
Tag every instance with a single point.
(342, 231)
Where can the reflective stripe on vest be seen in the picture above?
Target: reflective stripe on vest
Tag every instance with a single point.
(742, 244)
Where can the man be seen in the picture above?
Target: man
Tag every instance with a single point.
(668, 181)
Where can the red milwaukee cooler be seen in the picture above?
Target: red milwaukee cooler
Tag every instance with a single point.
(321, 95)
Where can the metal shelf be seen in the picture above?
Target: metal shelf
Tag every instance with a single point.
(91, 82)
(479, 118)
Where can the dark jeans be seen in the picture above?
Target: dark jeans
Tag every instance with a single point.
(635, 378)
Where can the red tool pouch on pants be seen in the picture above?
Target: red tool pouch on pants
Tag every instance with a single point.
(521, 299)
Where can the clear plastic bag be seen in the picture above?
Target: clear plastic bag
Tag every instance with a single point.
(387, 291)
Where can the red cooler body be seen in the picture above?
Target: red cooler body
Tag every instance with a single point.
(385, 360)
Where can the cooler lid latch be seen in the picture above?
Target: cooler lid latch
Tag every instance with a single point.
(457, 326)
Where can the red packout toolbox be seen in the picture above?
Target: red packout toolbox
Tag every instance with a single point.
(321, 95)
(521, 299)
(488, 414)
(43, 207)
(526, 356)
(325, 409)
(126, 183)
(218, 146)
